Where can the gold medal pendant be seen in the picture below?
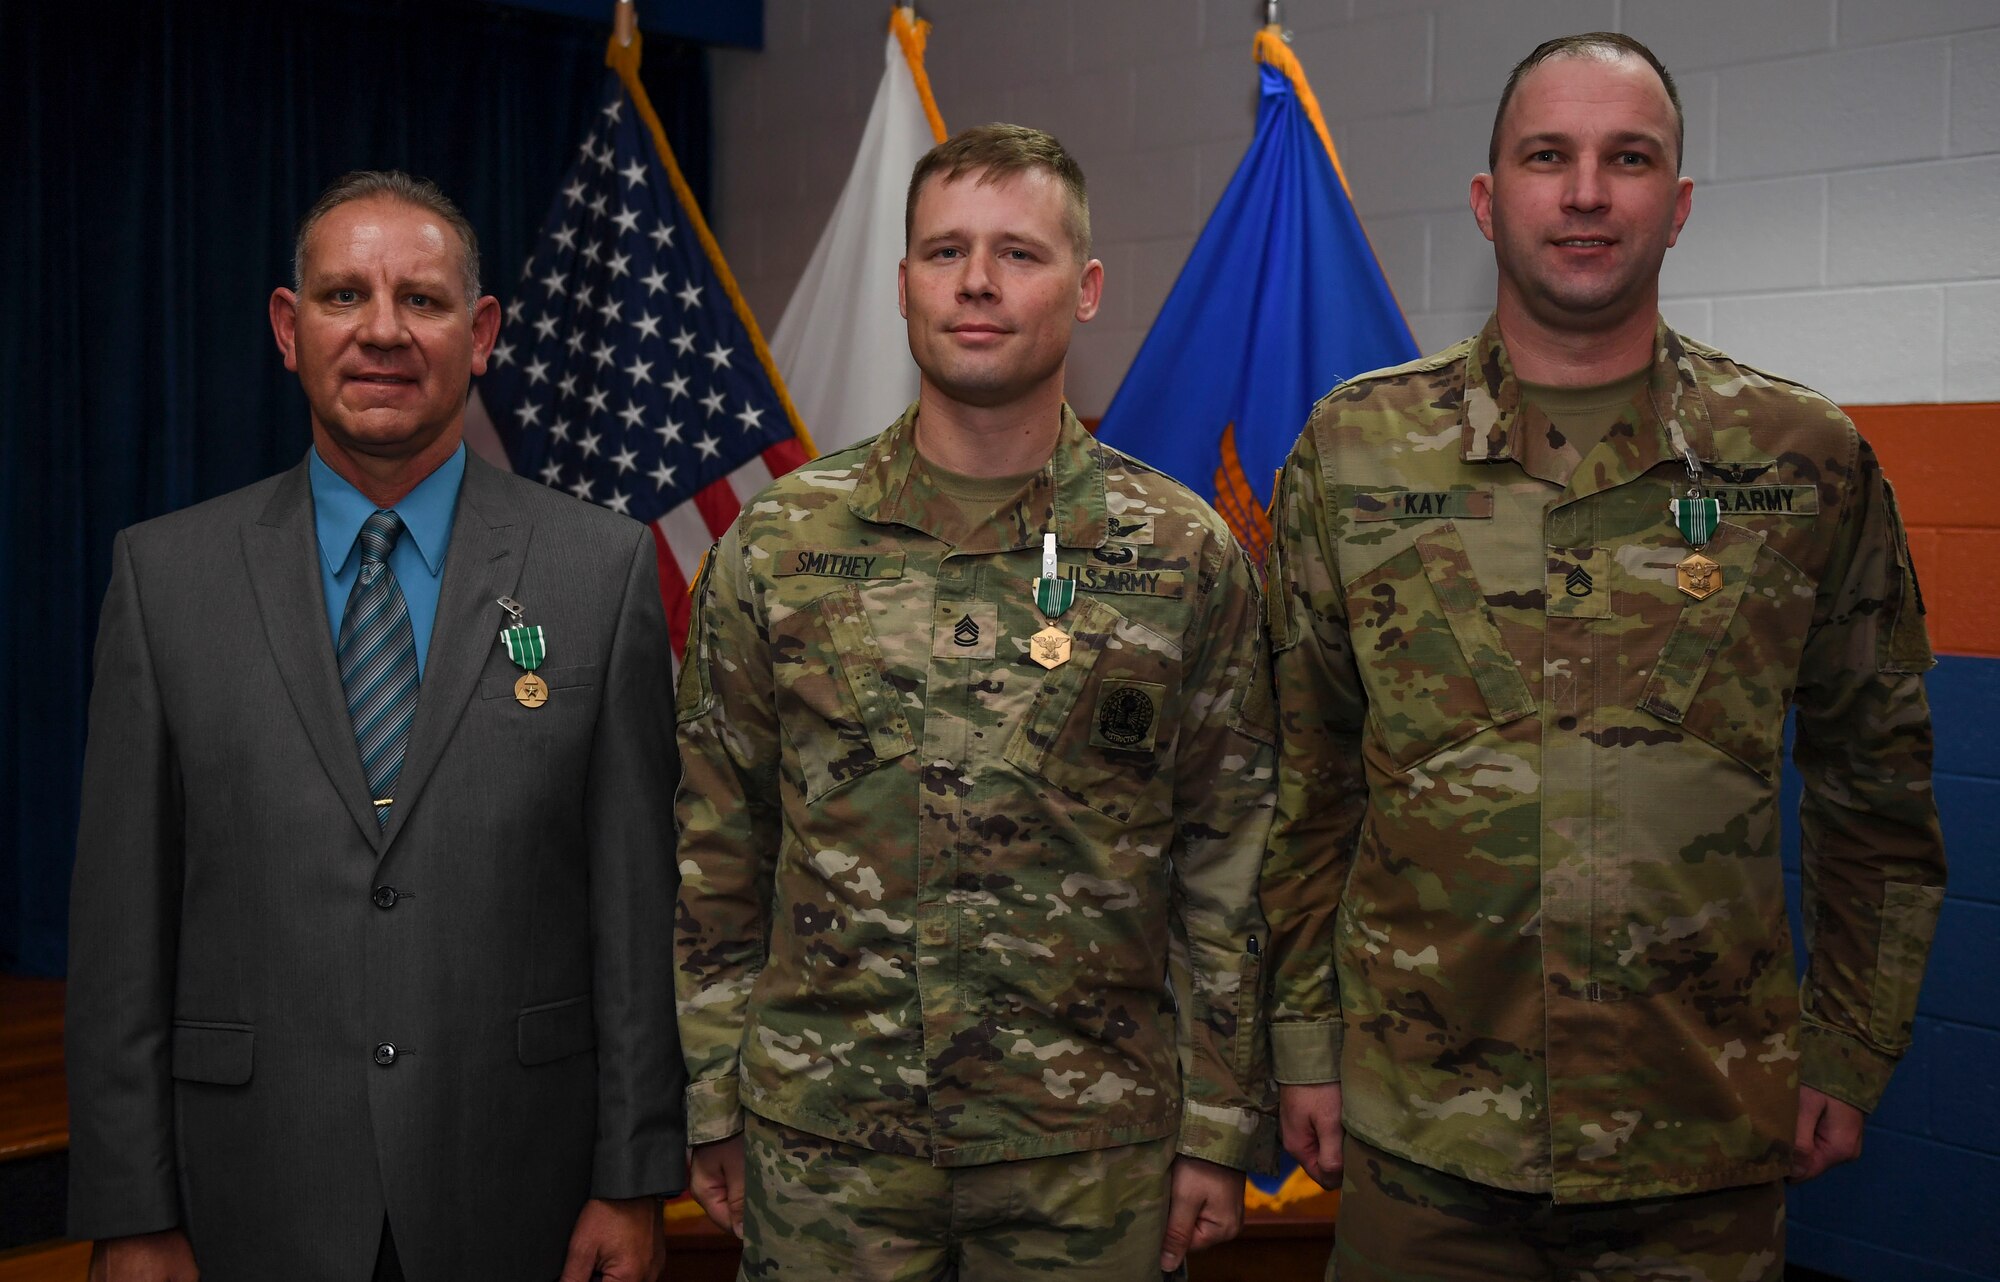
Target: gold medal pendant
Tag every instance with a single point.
(1699, 577)
(1049, 647)
(531, 691)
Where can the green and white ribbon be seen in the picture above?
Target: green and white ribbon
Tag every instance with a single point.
(1053, 594)
(525, 646)
(1697, 518)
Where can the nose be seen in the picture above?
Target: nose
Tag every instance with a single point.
(1586, 191)
(975, 278)
(380, 325)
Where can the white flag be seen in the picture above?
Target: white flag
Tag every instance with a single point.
(841, 345)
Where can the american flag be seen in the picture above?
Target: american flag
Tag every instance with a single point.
(629, 371)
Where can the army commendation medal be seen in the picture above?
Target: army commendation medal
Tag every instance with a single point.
(1053, 596)
(527, 648)
(1696, 517)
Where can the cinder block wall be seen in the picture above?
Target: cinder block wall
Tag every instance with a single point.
(1846, 232)
(1846, 155)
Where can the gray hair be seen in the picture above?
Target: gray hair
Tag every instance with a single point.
(364, 184)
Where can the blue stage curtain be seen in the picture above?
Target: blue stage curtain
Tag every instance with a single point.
(153, 163)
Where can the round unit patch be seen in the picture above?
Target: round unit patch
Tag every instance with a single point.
(1125, 717)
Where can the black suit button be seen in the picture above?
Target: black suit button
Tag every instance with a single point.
(384, 896)
(385, 1054)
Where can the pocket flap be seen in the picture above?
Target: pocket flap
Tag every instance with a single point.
(556, 1031)
(212, 1053)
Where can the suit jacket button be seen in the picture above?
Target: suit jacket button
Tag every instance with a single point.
(385, 1054)
(384, 896)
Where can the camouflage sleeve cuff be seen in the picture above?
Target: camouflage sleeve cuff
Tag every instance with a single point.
(1234, 1137)
(1843, 1066)
(712, 1111)
(1305, 1054)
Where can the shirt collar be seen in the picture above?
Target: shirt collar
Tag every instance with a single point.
(1066, 496)
(1676, 418)
(339, 511)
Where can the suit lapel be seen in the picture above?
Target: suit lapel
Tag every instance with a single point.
(281, 552)
(489, 542)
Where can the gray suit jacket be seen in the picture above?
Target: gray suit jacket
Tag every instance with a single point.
(247, 947)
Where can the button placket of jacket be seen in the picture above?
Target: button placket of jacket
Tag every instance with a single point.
(940, 930)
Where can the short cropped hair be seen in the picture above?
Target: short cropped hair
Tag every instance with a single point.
(999, 151)
(367, 184)
(1606, 45)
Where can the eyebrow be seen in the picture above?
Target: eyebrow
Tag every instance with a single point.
(953, 233)
(1535, 142)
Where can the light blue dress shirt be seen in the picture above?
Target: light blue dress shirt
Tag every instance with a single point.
(418, 557)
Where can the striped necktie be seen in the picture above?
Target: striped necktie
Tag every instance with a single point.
(378, 662)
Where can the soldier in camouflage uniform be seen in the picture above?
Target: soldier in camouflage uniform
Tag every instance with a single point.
(976, 722)
(1533, 982)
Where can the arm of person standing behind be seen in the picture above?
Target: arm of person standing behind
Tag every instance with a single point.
(124, 938)
(730, 828)
(1872, 854)
(1222, 810)
(1322, 798)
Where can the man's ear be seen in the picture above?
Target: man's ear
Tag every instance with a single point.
(1482, 203)
(285, 325)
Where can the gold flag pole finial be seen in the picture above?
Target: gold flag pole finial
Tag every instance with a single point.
(624, 23)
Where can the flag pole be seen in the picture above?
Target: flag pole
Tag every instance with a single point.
(624, 22)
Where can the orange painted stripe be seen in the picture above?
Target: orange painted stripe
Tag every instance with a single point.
(1944, 461)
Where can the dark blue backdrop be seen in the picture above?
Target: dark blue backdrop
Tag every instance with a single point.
(155, 158)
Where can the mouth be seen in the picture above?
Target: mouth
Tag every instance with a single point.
(372, 378)
(1584, 242)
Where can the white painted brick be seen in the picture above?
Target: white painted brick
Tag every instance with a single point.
(1975, 93)
(1749, 237)
(1694, 317)
(1972, 342)
(964, 106)
(1219, 162)
(1859, 347)
(1092, 115)
(1304, 15)
(1832, 111)
(1692, 34)
(1198, 99)
(1437, 330)
(1146, 195)
(1479, 41)
(1401, 243)
(1915, 222)
(1125, 33)
(1156, 266)
(1463, 276)
(1370, 68)
(1698, 122)
(1415, 162)
(1875, 21)
(977, 43)
(1098, 359)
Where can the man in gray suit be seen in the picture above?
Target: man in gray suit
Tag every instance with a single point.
(371, 965)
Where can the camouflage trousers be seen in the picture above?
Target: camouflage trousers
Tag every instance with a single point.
(1403, 1222)
(814, 1208)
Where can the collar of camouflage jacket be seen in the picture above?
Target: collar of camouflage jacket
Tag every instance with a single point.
(1497, 427)
(1066, 496)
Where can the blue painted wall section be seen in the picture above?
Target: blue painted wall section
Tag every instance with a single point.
(1923, 1202)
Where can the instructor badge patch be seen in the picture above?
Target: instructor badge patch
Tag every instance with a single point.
(1128, 716)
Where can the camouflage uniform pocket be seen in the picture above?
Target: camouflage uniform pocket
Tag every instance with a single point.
(839, 715)
(1723, 674)
(1100, 724)
(1429, 652)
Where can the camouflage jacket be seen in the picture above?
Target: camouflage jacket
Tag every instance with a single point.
(928, 887)
(1527, 845)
